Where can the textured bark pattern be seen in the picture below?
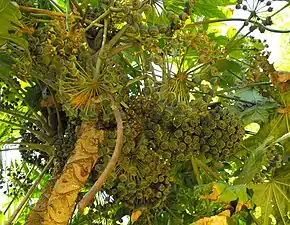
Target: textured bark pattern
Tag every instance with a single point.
(37, 213)
(76, 171)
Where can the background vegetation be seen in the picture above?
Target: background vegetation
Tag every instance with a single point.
(143, 112)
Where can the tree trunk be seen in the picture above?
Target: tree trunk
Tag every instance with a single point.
(61, 203)
(37, 213)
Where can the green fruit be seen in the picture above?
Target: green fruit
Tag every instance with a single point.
(153, 31)
(147, 8)
(183, 16)
(144, 30)
(171, 16)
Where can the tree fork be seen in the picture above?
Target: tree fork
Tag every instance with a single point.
(61, 203)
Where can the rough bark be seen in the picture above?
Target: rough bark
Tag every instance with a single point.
(37, 213)
(61, 203)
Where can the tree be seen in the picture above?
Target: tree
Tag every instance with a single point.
(139, 109)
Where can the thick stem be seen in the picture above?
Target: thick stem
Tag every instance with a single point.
(100, 60)
(29, 193)
(52, 14)
(40, 11)
(36, 215)
(61, 203)
(87, 199)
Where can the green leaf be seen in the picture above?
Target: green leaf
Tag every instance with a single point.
(273, 197)
(257, 113)
(174, 5)
(226, 193)
(9, 20)
(231, 32)
(254, 162)
(208, 9)
(224, 64)
(250, 95)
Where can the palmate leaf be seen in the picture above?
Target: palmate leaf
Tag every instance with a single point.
(273, 197)
(273, 131)
(225, 193)
(258, 113)
(254, 162)
(10, 24)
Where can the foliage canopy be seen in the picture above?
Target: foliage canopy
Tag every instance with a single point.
(140, 109)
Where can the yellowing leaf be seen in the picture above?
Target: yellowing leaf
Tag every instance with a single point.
(135, 216)
(227, 193)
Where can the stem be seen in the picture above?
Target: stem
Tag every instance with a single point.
(112, 163)
(247, 85)
(237, 76)
(170, 212)
(120, 49)
(236, 19)
(105, 14)
(67, 9)
(234, 37)
(41, 11)
(99, 62)
(285, 6)
(116, 38)
(51, 14)
(56, 6)
(195, 170)
(208, 169)
(237, 41)
(29, 193)
(236, 99)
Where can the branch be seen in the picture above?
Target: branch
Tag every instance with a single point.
(112, 163)
(29, 193)
(41, 11)
(52, 14)
(99, 62)
(235, 19)
(104, 15)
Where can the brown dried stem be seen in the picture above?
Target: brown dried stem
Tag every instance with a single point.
(88, 198)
